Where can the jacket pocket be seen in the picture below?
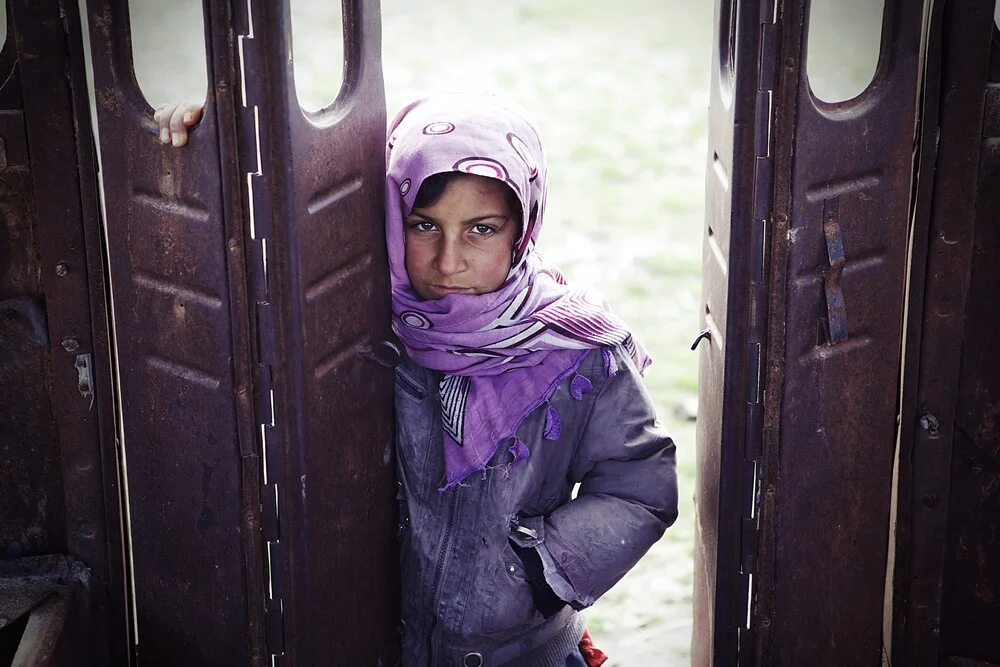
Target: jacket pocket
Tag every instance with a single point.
(509, 606)
(403, 513)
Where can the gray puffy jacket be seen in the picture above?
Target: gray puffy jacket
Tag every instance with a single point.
(470, 597)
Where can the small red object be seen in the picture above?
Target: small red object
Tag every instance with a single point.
(592, 655)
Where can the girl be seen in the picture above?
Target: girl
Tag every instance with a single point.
(514, 388)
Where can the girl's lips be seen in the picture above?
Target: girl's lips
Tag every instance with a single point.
(444, 289)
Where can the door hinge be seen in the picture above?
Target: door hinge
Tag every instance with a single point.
(763, 198)
(252, 138)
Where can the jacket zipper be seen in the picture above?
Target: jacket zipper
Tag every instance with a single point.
(445, 545)
(409, 386)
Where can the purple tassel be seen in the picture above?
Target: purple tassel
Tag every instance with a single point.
(579, 386)
(553, 423)
(519, 451)
(610, 365)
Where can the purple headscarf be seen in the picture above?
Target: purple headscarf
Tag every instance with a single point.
(502, 353)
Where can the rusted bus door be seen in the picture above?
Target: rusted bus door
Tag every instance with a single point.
(323, 317)
(947, 559)
(728, 436)
(251, 305)
(59, 490)
(176, 243)
(838, 253)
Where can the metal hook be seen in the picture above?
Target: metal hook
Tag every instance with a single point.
(384, 353)
(705, 333)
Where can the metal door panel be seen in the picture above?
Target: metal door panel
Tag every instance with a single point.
(323, 319)
(62, 494)
(727, 379)
(942, 331)
(969, 608)
(33, 509)
(970, 604)
(174, 229)
(57, 112)
(843, 178)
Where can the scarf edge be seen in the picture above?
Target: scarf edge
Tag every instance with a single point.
(543, 397)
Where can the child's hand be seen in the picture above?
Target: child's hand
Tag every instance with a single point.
(174, 119)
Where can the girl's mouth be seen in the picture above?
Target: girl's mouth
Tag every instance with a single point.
(446, 289)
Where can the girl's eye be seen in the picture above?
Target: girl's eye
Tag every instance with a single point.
(482, 229)
(422, 226)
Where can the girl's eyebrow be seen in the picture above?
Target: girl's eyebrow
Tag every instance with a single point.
(470, 221)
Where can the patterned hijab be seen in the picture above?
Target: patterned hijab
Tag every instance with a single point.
(502, 354)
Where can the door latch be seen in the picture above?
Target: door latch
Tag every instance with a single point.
(836, 309)
(85, 377)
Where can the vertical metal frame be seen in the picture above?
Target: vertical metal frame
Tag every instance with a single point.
(318, 274)
(728, 435)
(175, 236)
(842, 187)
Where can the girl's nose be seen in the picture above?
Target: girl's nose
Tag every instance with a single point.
(450, 258)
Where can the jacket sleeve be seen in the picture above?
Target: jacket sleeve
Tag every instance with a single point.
(625, 463)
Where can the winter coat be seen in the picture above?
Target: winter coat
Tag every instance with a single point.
(488, 566)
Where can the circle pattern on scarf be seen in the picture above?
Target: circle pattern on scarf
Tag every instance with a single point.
(523, 152)
(412, 318)
(439, 128)
(482, 166)
(404, 187)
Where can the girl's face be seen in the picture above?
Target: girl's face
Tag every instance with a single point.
(463, 242)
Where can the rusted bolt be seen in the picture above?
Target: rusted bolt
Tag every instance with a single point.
(71, 344)
(765, 622)
(929, 500)
(781, 217)
(61, 269)
(232, 244)
(770, 490)
(929, 423)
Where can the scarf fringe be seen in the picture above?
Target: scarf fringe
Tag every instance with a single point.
(519, 451)
(580, 385)
(553, 423)
(610, 364)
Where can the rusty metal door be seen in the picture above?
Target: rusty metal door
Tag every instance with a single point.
(175, 243)
(59, 483)
(946, 572)
(838, 251)
(250, 301)
(805, 268)
(728, 436)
